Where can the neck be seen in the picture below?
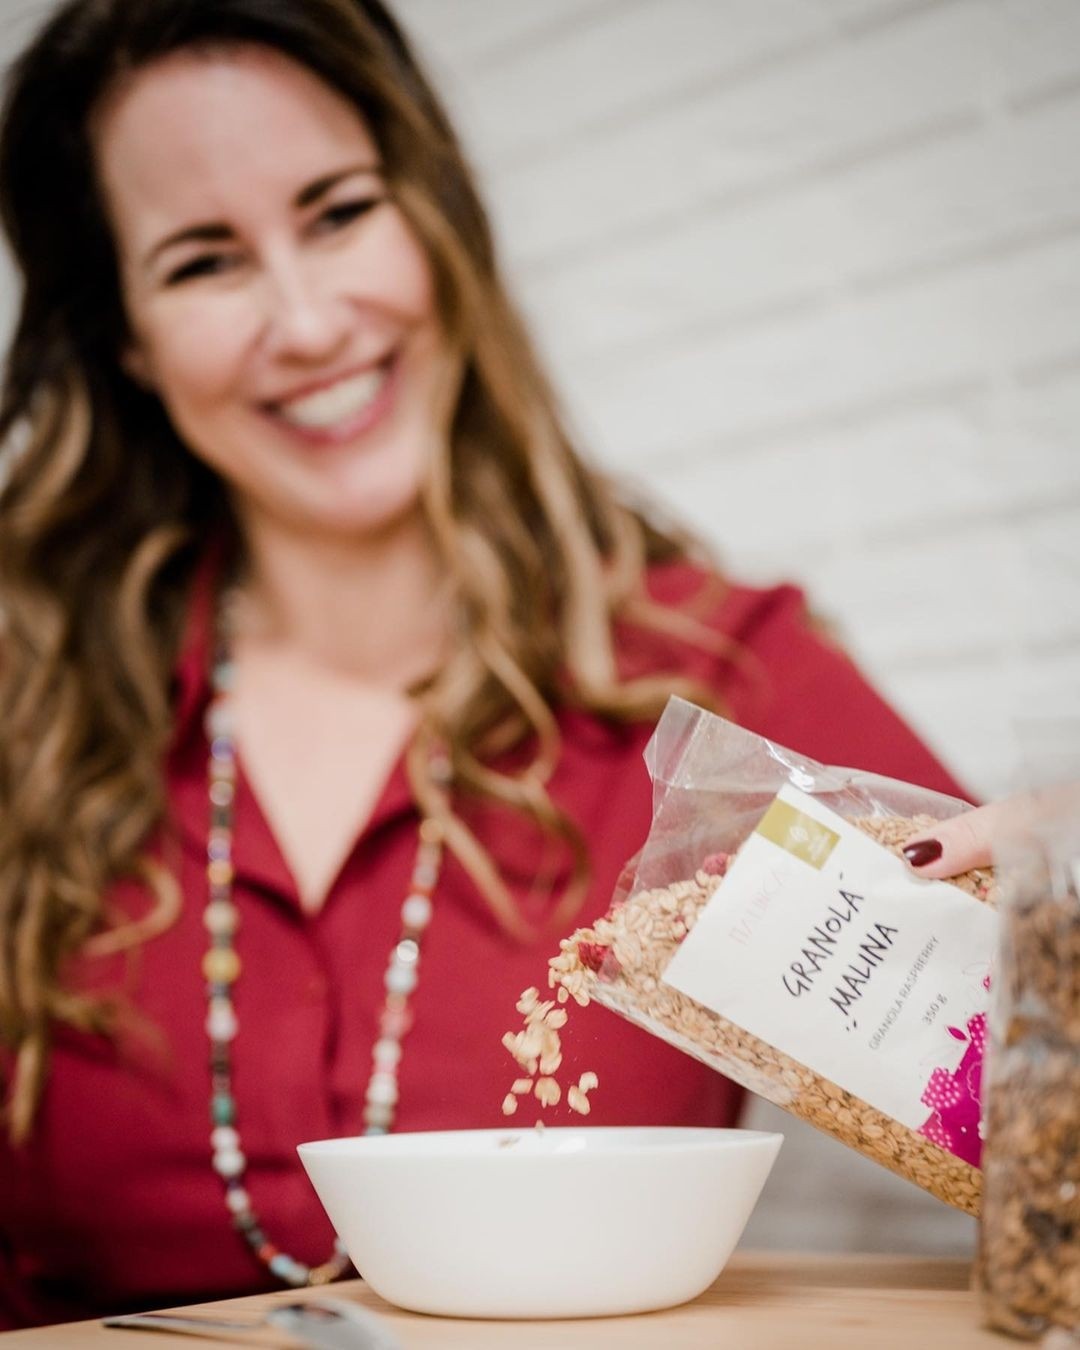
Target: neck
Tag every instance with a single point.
(376, 609)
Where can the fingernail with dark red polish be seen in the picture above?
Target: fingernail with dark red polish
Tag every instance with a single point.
(923, 852)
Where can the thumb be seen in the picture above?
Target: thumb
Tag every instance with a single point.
(952, 846)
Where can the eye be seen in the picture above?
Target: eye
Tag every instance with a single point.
(344, 213)
(205, 265)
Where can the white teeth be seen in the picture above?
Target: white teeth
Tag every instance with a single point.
(339, 403)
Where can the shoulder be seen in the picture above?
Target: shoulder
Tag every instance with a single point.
(739, 626)
(785, 676)
(728, 605)
(743, 645)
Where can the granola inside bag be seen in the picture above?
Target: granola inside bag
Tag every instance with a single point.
(1028, 1268)
(770, 928)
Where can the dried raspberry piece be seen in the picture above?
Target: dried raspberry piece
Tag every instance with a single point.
(627, 872)
(716, 864)
(593, 955)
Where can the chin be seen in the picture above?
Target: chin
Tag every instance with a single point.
(364, 518)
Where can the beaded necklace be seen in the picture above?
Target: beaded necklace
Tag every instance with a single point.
(221, 969)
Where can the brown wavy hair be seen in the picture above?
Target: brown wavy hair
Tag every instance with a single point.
(104, 513)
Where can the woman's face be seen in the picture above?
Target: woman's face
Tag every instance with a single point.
(279, 304)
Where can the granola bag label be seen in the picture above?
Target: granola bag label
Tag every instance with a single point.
(823, 943)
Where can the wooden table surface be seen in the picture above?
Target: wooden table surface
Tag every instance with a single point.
(760, 1302)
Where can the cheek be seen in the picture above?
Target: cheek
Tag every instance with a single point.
(191, 359)
(435, 369)
(417, 281)
(408, 282)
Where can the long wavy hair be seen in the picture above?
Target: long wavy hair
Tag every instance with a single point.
(104, 514)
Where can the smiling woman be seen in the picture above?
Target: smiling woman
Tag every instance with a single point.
(327, 662)
(280, 305)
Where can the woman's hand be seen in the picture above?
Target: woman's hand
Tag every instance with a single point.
(970, 840)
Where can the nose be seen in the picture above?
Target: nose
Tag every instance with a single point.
(308, 318)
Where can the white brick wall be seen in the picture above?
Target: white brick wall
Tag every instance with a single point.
(833, 233)
(837, 238)
(834, 241)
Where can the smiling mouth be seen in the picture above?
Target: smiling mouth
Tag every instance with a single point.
(338, 405)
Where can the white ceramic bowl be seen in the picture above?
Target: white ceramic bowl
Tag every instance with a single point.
(553, 1223)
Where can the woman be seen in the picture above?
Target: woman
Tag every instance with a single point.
(327, 663)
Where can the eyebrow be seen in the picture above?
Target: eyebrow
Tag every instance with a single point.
(216, 232)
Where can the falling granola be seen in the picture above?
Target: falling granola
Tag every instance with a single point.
(537, 1049)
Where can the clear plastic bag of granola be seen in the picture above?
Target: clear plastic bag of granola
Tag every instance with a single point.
(712, 783)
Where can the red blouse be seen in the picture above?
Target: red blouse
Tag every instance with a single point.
(113, 1204)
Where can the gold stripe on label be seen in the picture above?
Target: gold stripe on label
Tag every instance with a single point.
(797, 833)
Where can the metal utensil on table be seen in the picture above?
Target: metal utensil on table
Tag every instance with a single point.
(322, 1324)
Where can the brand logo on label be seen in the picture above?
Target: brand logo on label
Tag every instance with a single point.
(797, 833)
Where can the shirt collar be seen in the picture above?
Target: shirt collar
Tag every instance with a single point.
(256, 854)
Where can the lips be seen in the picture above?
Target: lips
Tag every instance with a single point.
(339, 409)
(339, 402)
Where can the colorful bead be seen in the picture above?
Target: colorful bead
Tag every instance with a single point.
(378, 1114)
(431, 834)
(386, 1053)
(229, 1163)
(222, 1109)
(426, 876)
(329, 1270)
(221, 1023)
(416, 912)
(220, 872)
(221, 965)
(221, 968)
(382, 1090)
(218, 722)
(237, 1199)
(221, 917)
(395, 1022)
(400, 979)
(285, 1268)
